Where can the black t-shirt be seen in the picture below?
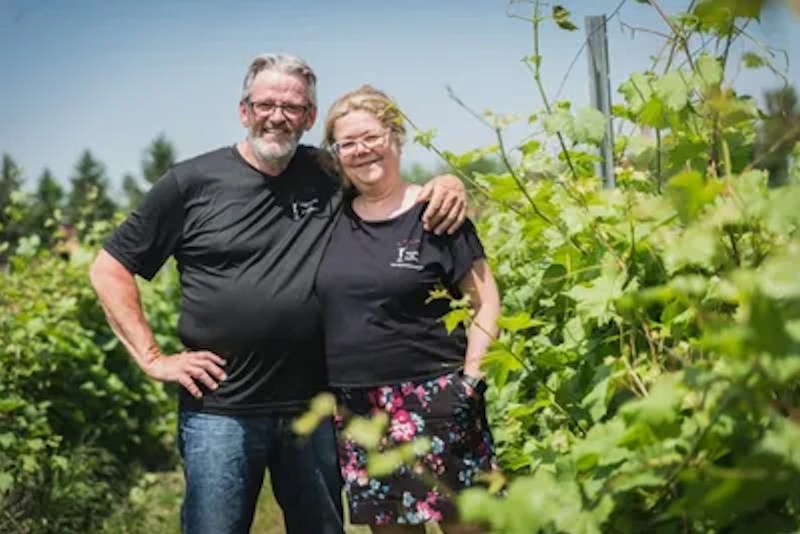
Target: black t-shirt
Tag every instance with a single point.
(374, 281)
(247, 246)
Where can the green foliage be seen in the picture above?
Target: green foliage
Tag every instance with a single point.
(78, 415)
(11, 202)
(645, 378)
(78, 419)
(159, 156)
(44, 212)
(779, 133)
(89, 201)
(133, 191)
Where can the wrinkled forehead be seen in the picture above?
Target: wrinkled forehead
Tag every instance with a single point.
(279, 85)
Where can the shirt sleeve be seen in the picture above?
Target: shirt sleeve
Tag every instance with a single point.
(461, 250)
(144, 241)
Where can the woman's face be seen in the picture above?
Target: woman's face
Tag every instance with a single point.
(368, 152)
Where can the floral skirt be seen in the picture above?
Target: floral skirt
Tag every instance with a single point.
(461, 448)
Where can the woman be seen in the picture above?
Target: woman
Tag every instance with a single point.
(387, 346)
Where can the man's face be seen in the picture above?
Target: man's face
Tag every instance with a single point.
(276, 114)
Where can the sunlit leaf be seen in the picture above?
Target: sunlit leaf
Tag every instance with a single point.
(561, 16)
(672, 89)
(589, 126)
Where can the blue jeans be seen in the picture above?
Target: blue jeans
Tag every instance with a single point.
(224, 459)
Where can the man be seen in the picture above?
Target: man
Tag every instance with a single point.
(247, 225)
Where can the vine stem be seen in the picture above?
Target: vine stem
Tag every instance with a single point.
(637, 381)
(537, 76)
(675, 30)
(514, 175)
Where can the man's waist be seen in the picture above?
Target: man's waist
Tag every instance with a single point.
(214, 406)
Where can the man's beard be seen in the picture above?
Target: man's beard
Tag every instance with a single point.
(277, 152)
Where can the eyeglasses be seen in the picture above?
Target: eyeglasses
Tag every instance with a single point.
(290, 111)
(369, 141)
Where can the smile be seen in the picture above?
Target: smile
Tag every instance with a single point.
(367, 163)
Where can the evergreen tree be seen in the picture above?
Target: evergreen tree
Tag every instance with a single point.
(158, 158)
(10, 180)
(133, 193)
(11, 228)
(44, 214)
(88, 200)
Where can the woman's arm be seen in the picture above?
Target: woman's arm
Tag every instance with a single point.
(479, 284)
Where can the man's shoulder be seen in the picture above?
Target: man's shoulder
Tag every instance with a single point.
(213, 167)
(206, 160)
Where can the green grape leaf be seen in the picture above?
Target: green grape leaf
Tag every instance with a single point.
(673, 90)
(589, 126)
(519, 321)
(561, 18)
(6, 482)
(709, 71)
(690, 192)
(752, 60)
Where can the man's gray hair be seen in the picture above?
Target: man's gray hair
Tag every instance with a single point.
(286, 64)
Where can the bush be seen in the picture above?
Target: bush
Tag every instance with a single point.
(77, 416)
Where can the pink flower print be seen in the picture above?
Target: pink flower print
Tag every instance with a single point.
(353, 474)
(427, 513)
(432, 497)
(402, 427)
(443, 380)
(422, 396)
(396, 403)
(384, 396)
(407, 388)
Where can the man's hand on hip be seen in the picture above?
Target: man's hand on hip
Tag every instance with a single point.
(188, 369)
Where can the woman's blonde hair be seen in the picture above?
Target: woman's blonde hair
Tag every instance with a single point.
(371, 100)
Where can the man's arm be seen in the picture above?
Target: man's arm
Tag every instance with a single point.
(119, 295)
(447, 204)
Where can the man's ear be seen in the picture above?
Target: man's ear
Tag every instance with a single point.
(311, 118)
(244, 117)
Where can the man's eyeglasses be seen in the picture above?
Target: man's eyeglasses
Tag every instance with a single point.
(370, 141)
(290, 111)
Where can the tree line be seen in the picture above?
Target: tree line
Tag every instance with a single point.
(54, 211)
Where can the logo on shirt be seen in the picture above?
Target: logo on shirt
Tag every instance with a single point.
(407, 255)
(301, 208)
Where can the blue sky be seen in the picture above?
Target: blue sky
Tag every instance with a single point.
(110, 75)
